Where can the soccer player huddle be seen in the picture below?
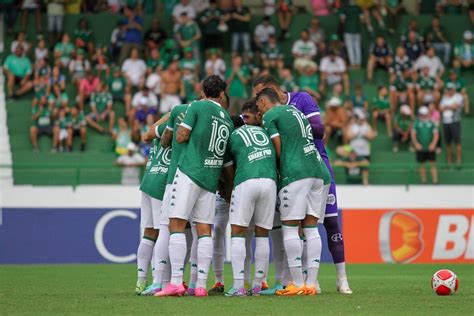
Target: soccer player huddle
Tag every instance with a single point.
(266, 172)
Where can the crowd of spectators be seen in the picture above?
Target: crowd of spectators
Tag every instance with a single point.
(143, 72)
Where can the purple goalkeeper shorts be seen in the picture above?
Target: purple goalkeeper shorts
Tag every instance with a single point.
(331, 202)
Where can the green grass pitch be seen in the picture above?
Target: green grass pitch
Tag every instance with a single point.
(108, 289)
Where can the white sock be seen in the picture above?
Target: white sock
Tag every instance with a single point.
(304, 258)
(166, 276)
(262, 256)
(314, 246)
(218, 253)
(193, 258)
(144, 254)
(161, 255)
(278, 252)
(286, 279)
(341, 270)
(177, 251)
(294, 251)
(238, 255)
(248, 256)
(204, 252)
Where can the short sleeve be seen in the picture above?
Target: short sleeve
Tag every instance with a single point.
(228, 159)
(270, 127)
(170, 123)
(310, 107)
(191, 117)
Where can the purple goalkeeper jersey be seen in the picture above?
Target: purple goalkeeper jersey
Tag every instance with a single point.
(304, 102)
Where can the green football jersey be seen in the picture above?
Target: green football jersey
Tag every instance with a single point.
(117, 86)
(381, 103)
(252, 153)
(156, 171)
(425, 130)
(175, 119)
(202, 158)
(299, 158)
(426, 82)
(101, 100)
(44, 118)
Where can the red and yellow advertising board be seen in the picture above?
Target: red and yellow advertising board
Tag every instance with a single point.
(409, 235)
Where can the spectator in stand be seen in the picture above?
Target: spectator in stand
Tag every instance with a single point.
(30, 6)
(381, 109)
(320, 7)
(412, 26)
(451, 108)
(122, 136)
(55, 13)
(210, 19)
(425, 136)
(41, 68)
(285, 16)
(460, 84)
(240, 28)
(118, 87)
(351, 18)
(359, 134)
(170, 87)
(336, 45)
(333, 70)
(368, 7)
(169, 52)
(431, 61)
(288, 83)
(144, 102)
(380, 56)
(190, 86)
(402, 91)
(437, 37)
(215, 65)
(58, 100)
(358, 100)
(402, 65)
(237, 79)
(304, 51)
(117, 39)
(86, 87)
(308, 81)
(18, 71)
(77, 127)
(57, 78)
(272, 56)
(357, 171)
(99, 61)
(427, 88)
(395, 9)
(134, 69)
(131, 164)
(335, 119)
(84, 36)
(133, 33)
(414, 46)
(402, 125)
(190, 62)
(155, 36)
(181, 7)
(20, 41)
(101, 104)
(464, 52)
(317, 35)
(262, 33)
(188, 34)
(9, 10)
(41, 87)
(41, 51)
(63, 51)
(153, 61)
(78, 67)
(42, 124)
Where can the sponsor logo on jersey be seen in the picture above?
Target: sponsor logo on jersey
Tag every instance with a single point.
(212, 162)
(309, 148)
(259, 154)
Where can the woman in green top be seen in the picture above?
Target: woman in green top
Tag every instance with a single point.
(381, 109)
(63, 50)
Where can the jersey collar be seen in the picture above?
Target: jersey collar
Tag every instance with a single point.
(216, 103)
(289, 98)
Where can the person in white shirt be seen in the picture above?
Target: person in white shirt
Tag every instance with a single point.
(215, 65)
(451, 105)
(144, 102)
(431, 61)
(134, 69)
(304, 50)
(153, 82)
(333, 70)
(262, 33)
(131, 163)
(184, 6)
(359, 134)
(20, 41)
